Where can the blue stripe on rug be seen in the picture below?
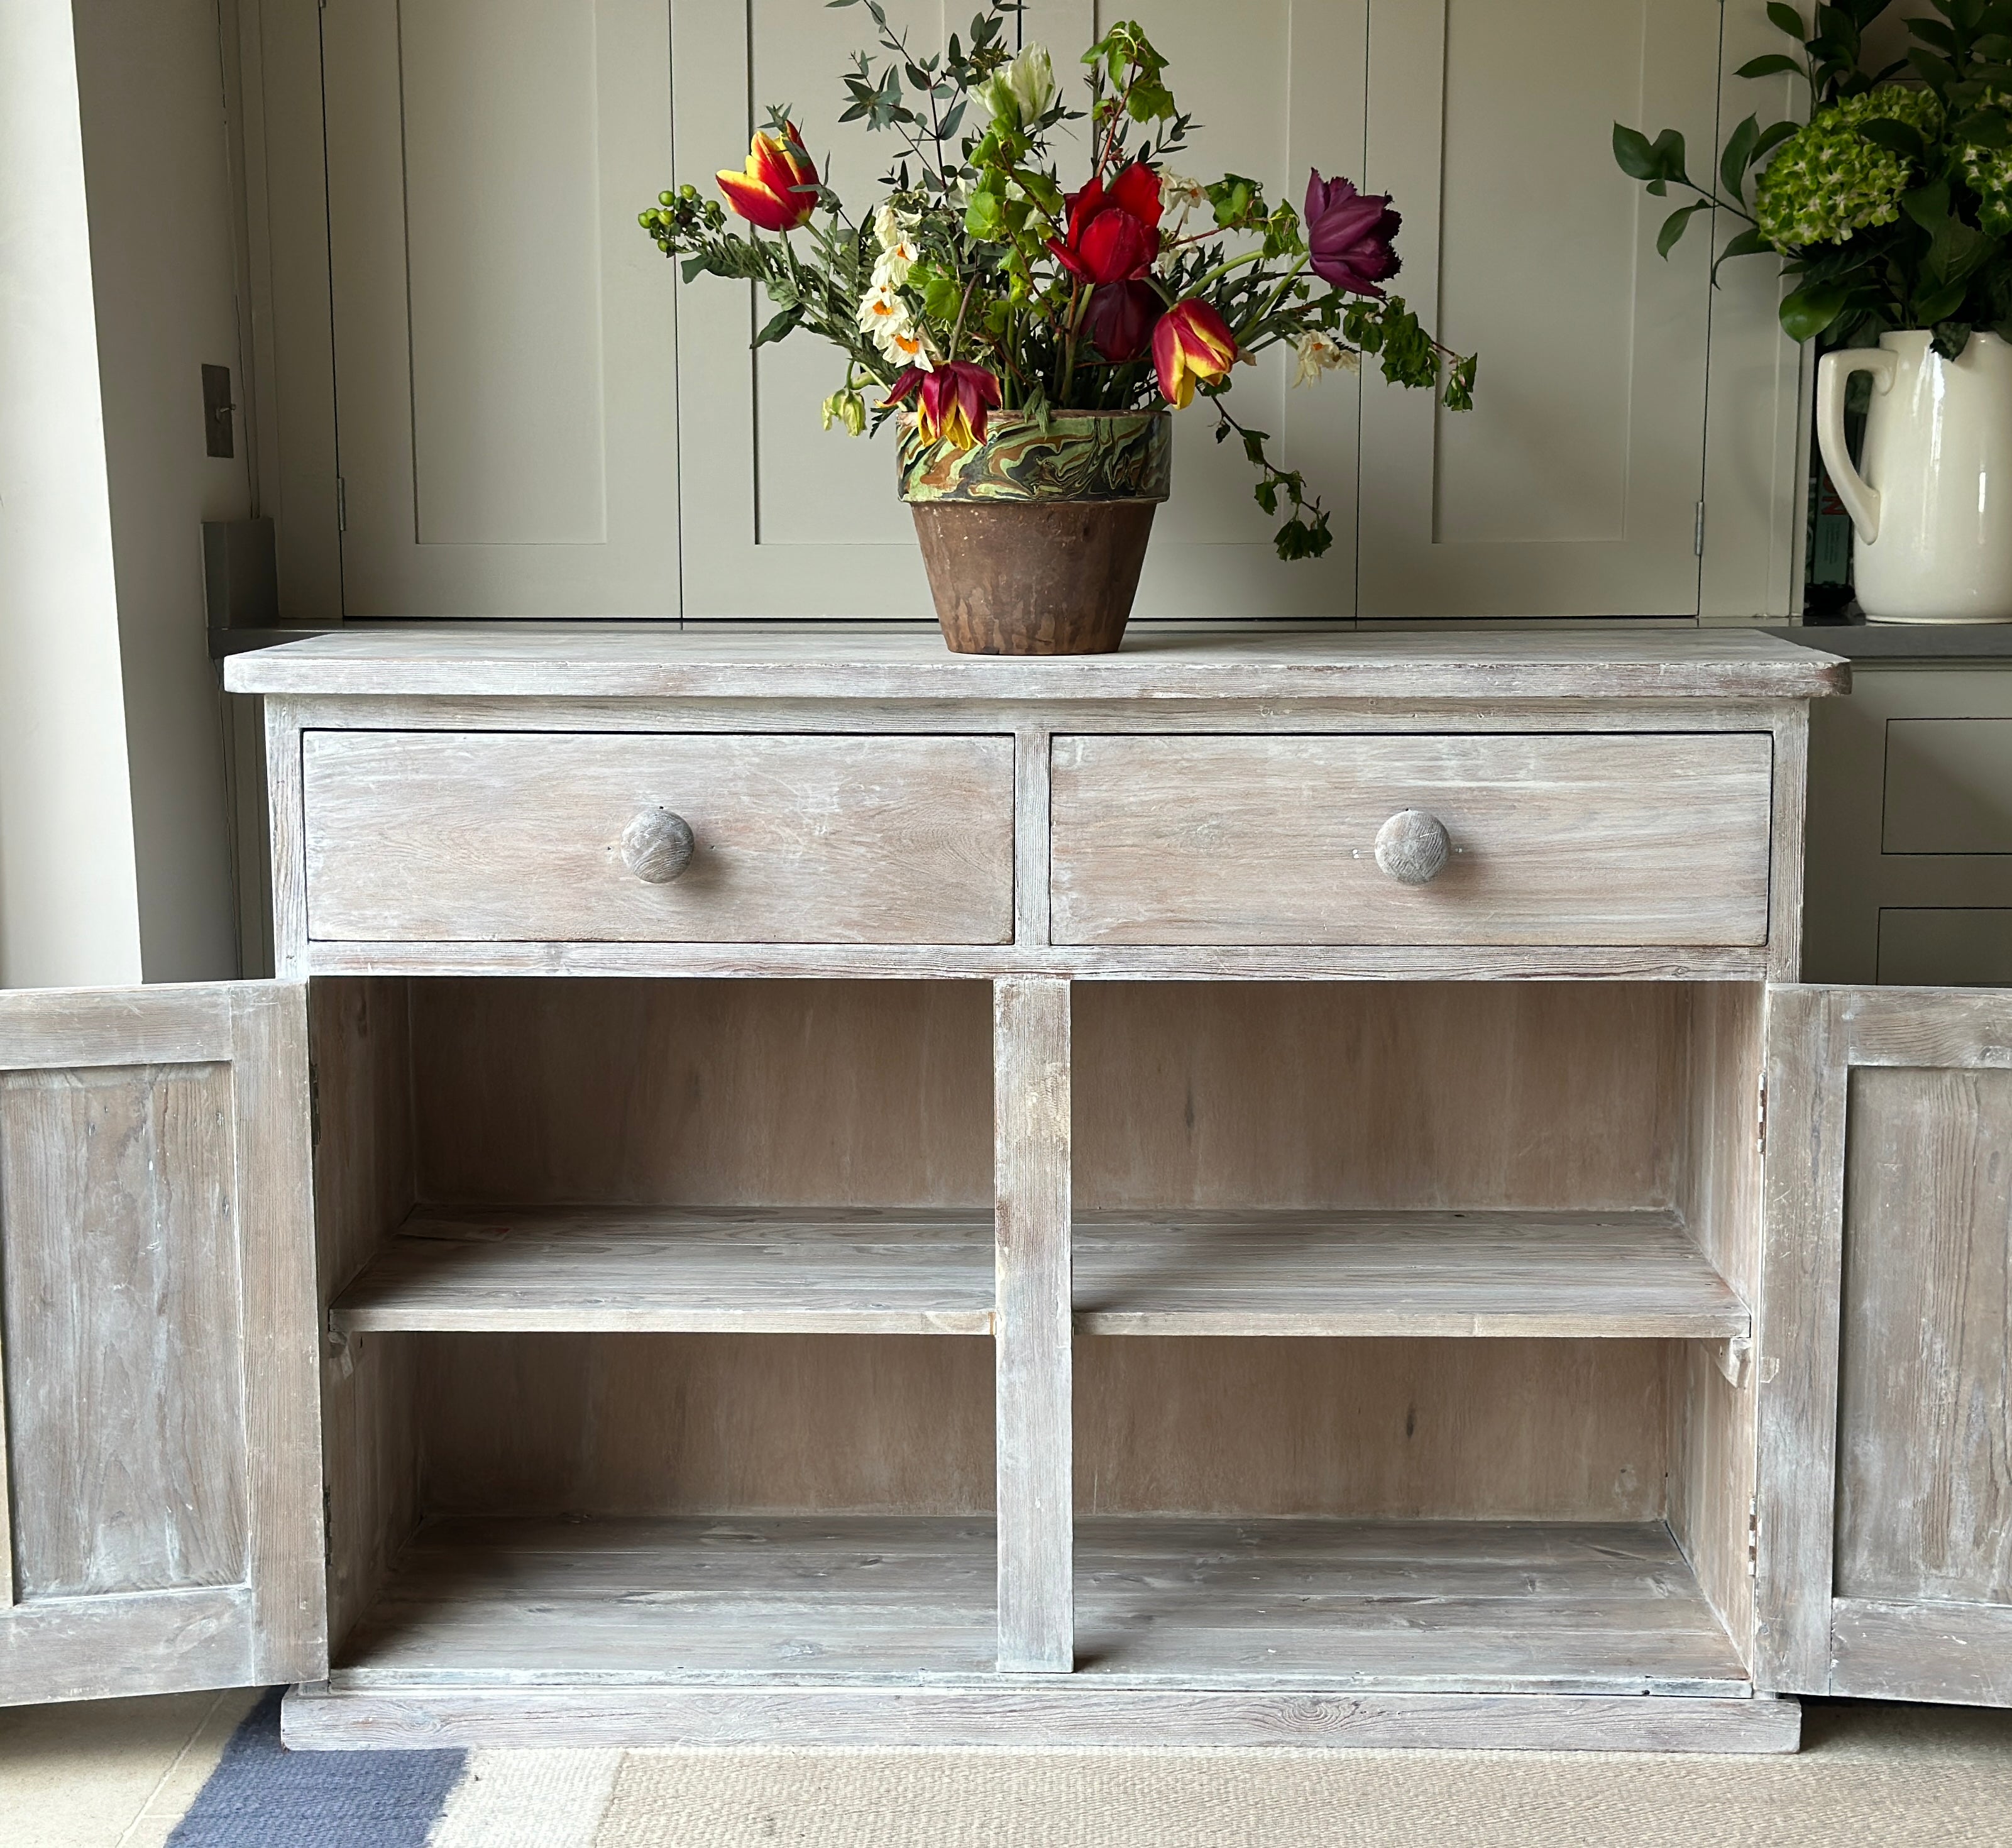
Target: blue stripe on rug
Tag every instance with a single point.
(262, 1795)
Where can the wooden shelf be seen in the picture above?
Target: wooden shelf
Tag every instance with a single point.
(863, 1271)
(868, 1270)
(1479, 1607)
(1617, 1275)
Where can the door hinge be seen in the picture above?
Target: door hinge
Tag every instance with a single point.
(341, 504)
(327, 1527)
(314, 1108)
(1760, 1121)
(1697, 532)
(1753, 1538)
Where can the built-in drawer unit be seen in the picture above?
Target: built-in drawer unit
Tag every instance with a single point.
(1540, 838)
(631, 837)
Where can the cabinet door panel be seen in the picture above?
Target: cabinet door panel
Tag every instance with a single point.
(157, 1342)
(1886, 1528)
(507, 427)
(785, 519)
(1571, 488)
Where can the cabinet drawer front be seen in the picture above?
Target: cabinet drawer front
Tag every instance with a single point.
(1612, 840)
(470, 837)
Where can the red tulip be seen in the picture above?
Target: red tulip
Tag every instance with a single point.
(958, 399)
(1114, 233)
(1349, 235)
(1192, 342)
(1121, 318)
(777, 190)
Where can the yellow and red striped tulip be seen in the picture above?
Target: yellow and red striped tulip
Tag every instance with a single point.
(775, 189)
(1191, 342)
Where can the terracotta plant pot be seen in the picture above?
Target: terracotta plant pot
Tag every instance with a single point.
(1034, 541)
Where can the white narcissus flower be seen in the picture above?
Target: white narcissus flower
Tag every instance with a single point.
(1318, 352)
(891, 267)
(884, 316)
(1022, 91)
(1178, 194)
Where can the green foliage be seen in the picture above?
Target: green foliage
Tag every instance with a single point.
(1891, 205)
(957, 263)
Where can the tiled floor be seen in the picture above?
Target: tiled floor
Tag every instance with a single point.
(109, 1774)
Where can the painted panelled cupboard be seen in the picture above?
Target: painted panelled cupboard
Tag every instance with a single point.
(805, 1187)
(478, 390)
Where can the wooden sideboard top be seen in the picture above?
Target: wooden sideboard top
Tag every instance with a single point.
(870, 662)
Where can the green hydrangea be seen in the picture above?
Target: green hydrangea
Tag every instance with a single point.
(1988, 171)
(1826, 181)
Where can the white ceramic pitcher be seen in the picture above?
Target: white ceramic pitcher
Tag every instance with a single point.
(1932, 512)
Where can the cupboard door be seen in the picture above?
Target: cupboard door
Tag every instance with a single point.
(1572, 487)
(1885, 1525)
(504, 356)
(784, 519)
(160, 1521)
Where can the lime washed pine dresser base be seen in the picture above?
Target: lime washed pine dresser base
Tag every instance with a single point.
(798, 1187)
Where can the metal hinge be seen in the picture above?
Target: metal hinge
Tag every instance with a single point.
(314, 1108)
(1760, 1121)
(327, 1529)
(341, 504)
(1697, 532)
(1754, 1538)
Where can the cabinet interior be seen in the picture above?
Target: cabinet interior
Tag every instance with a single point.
(1562, 1505)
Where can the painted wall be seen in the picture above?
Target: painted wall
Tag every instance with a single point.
(151, 93)
(68, 897)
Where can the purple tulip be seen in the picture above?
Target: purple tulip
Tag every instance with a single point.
(1349, 235)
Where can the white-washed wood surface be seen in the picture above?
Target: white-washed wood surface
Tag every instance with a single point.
(1922, 1649)
(1439, 1606)
(1795, 1355)
(1032, 1170)
(1070, 1711)
(1561, 839)
(1924, 1379)
(868, 1271)
(517, 836)
(606, 661)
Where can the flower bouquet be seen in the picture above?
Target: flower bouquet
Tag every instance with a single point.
(1030, 343)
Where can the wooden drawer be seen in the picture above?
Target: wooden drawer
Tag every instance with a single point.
(442, 836)
(1595, 839)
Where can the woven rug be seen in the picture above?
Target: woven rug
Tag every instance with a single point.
(1867, 1777)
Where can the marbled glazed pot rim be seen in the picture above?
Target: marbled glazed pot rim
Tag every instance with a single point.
(1081, 455)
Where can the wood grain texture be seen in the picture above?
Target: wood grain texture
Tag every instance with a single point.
(1365, 1096)
(748, 662)
(159, 1333)
(1795, 1355)
(282, 1312)
(1713, 1429)
(519, 836)
(868, 1271)
(1785, 874)
(1558, 840)
(362, 1046)
(701, 1093)
(288, 838)
(1036, 1444)
(1402, 962)
(1917, 1650)
(124, 1335)
(1053, 1713)
(1393, 1606)
(1925, 1384)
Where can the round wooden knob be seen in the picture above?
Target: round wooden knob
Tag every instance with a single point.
(656, 846)
(1412, 845)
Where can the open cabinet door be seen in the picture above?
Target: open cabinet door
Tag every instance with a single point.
(1884, 1536)
(161, 1514)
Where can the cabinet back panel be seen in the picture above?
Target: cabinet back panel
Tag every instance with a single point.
(657, 1424)
(1456, 1095)
(125, 1417)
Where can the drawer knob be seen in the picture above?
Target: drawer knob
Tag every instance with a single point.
(1412, 845)
(656, 846)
